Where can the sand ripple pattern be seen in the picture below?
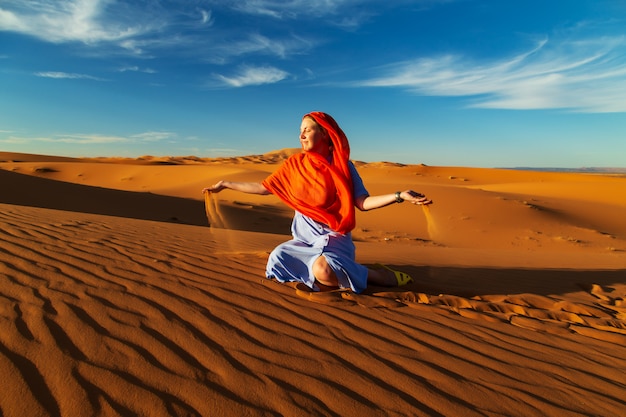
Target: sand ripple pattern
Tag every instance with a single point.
(604, 319)
(107, 316)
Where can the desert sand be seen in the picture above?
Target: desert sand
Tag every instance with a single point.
(118, 298)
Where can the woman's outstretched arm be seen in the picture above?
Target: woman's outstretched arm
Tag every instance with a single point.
(371, 202)
(244, 187)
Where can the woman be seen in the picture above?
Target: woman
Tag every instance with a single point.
(323, 187)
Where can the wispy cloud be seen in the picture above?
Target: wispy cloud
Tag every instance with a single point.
(587, 75)
(59, 75)
(343, 13)
(79, 139)
(153, 136)
(254, 76)
(135, 68)
(66, 21)
(206, 17)
(90, 139)
(289, 9)
(108, 27)
(255, 44)
(105, 24)
(140, 28)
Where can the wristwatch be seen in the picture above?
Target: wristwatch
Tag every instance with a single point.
(398, 198)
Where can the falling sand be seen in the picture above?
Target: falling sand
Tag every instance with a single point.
(213, 213)
(430, 222)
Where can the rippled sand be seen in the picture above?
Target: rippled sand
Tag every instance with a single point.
(117, 299)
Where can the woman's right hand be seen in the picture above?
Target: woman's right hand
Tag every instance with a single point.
(215, 188)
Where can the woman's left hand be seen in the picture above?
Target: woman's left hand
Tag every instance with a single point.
(415, 197)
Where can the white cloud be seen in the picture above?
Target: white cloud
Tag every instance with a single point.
(155, 29)
(345, 14)
(78, 139)
(255, 44)
(583, 75)
(258, 43)
(135, 68)
(153, 136)
(290, 9)
(59, 75)
(254, 76)
(206, 17)
(66, 21)
(90, 139)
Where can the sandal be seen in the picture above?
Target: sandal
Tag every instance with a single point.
(402, 277)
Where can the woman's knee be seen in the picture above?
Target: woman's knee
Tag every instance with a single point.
(323, 272)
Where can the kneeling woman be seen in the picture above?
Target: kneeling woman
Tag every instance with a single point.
(323, 187)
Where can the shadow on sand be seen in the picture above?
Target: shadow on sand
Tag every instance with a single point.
(470, 282)
(26, 190)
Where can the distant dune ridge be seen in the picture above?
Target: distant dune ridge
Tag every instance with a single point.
(118, 298)
(590, 170)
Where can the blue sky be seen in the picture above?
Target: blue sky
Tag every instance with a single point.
(492, 83)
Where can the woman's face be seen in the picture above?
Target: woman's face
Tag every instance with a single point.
(313, 138)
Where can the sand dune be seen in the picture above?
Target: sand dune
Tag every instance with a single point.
(116, 298)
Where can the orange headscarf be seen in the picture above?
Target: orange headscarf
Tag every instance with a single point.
(315, 187)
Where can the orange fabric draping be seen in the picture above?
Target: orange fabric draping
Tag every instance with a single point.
(315, 187)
